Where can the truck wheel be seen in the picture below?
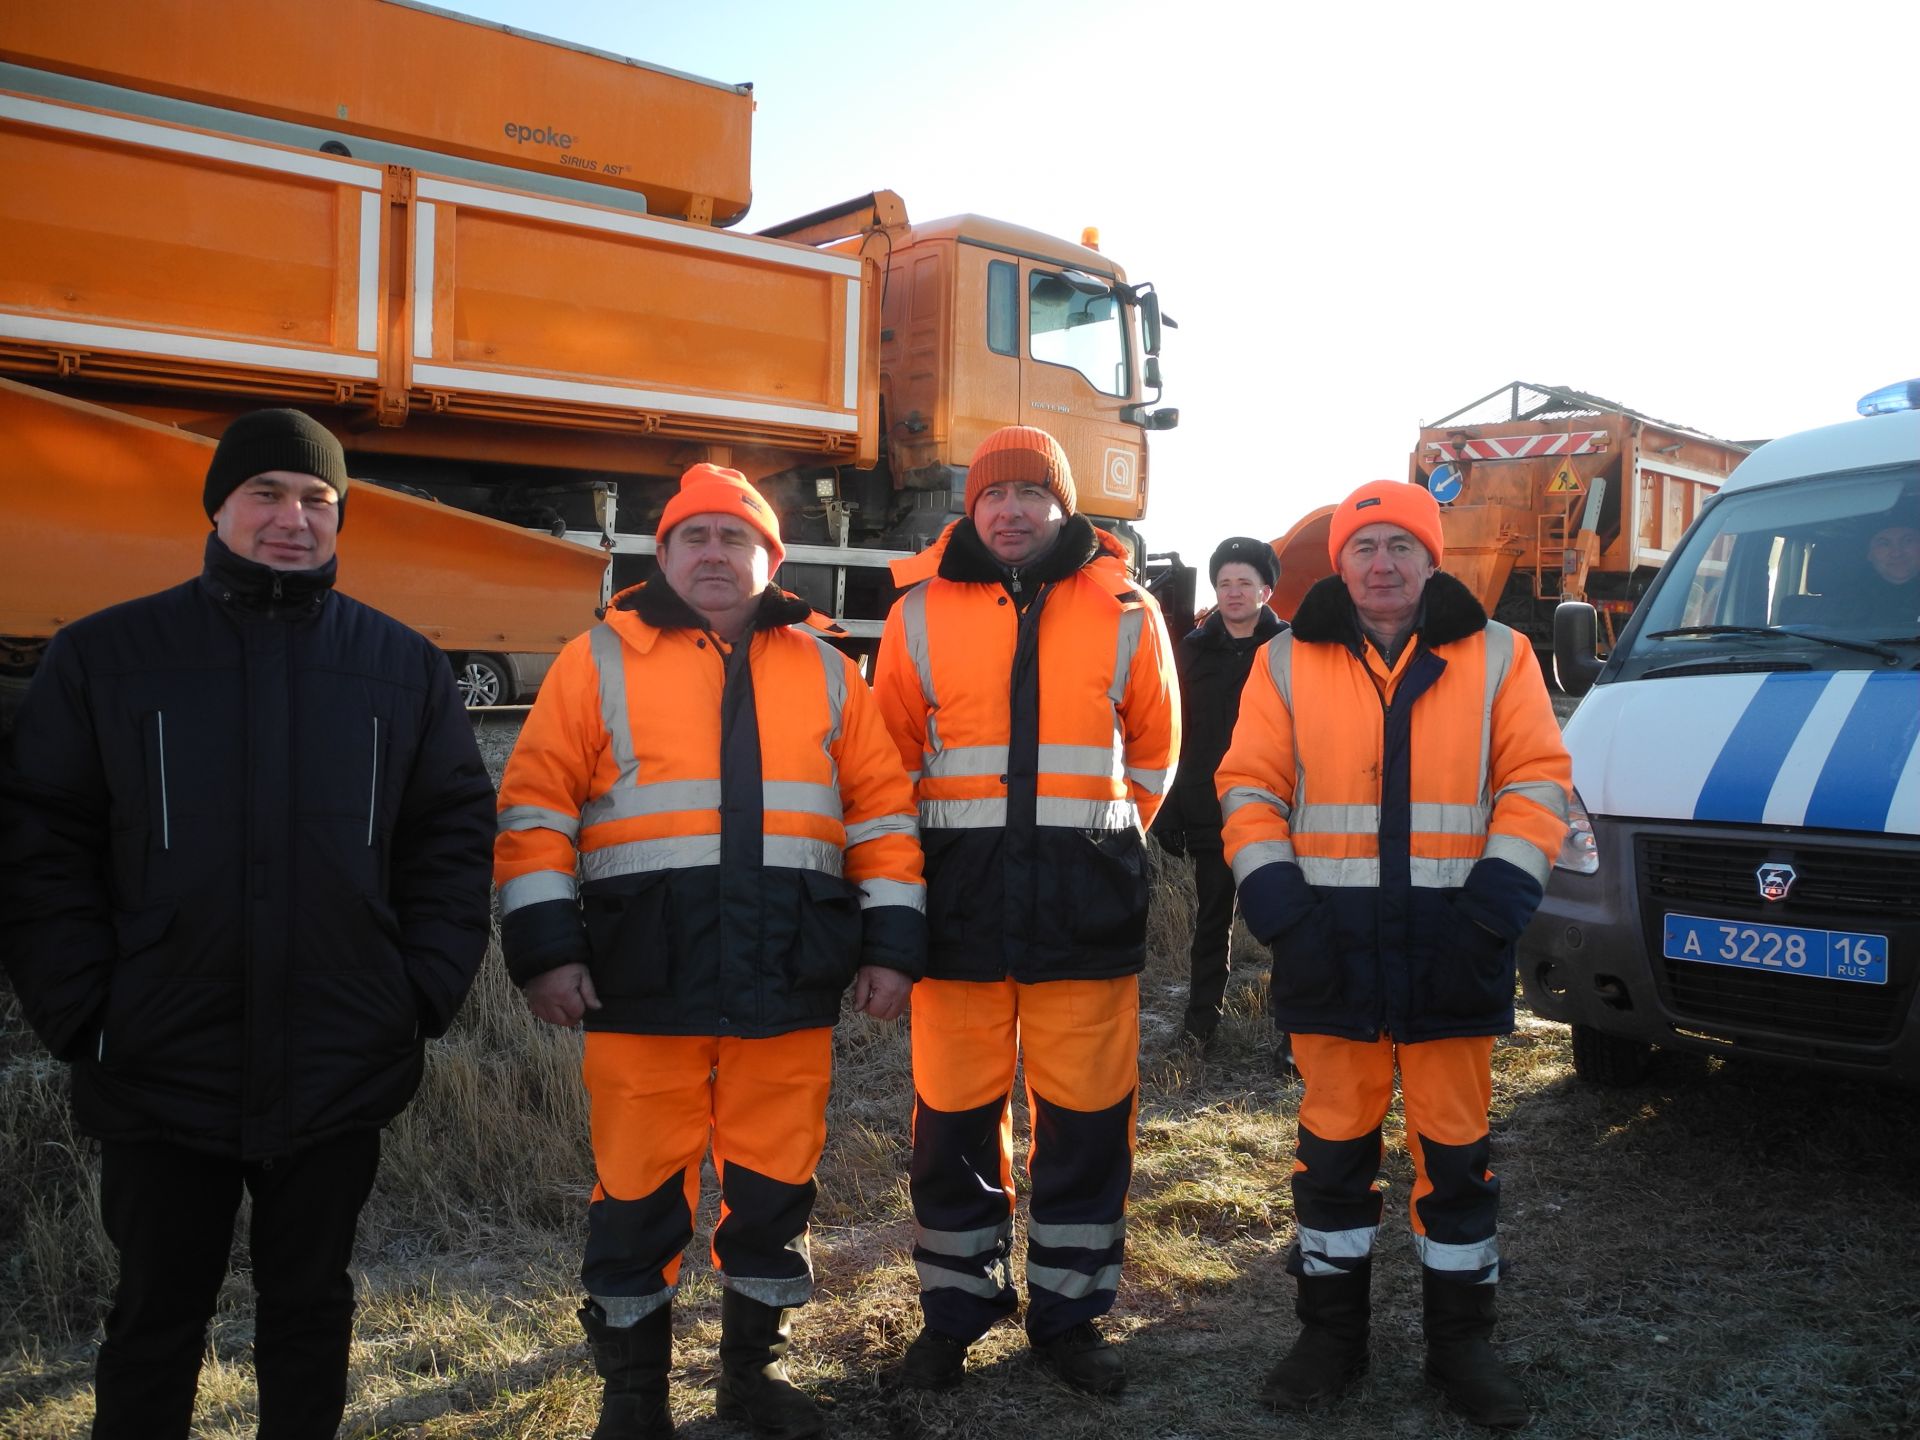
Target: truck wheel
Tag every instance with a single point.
(1603, 1059)
(482, 680)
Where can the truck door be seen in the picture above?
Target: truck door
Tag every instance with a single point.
(1077, 372)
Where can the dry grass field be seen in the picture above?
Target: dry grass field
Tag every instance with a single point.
(1721, 1251)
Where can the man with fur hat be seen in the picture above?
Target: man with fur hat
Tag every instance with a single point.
(245, 877)
(1029, 686)
(705, 838)
(1213, 660)
(1395, 795)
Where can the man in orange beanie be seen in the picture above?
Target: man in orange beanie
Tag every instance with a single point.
(720, 778)
(1029, 687)
(1394, 797)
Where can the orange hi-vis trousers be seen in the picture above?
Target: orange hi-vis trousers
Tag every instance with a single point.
(1080, 1043)
(1446, 1086)
(657, 1102)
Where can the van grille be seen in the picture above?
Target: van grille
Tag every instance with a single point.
(1836, 887)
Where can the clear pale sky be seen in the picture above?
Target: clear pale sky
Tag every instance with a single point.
(1364, 216)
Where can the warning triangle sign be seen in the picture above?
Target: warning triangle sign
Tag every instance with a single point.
(1564, 481)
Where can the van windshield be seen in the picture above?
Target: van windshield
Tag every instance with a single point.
(1817, 574)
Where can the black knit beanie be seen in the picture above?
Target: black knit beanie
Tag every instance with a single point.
(263, 440)
(1244, 550)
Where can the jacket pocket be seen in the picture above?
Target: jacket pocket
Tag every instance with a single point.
(630, 935)
(1470, 971)
(826, 949)
(1307, 969)
(1099, 909)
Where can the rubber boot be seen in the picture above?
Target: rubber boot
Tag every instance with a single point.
(1330, 1352)
(1460, 1359)
(633, 1360)
(753, 1387)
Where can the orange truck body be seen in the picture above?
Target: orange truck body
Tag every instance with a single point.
(494, 265)
(1564, 497)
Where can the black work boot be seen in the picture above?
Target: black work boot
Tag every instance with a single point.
(1084, 1359)
(1460, 1360)
(934, 1361)
(1330, 1352)
(633, 1360)
(753, 1388)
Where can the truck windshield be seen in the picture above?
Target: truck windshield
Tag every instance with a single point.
(1067, 326)
(1773, 577)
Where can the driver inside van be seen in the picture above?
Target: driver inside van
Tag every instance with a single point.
(1894, 554)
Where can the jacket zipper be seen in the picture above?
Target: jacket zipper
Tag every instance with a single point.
(166, 820)
(373, 786)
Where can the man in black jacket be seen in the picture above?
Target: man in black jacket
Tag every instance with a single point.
(1214, 660)
(244, 874)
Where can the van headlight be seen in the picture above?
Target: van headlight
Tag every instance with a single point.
(1578, 852)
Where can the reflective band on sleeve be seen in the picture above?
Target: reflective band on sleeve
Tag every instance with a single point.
(1519, 853)
(1071, 1283)
(1545, 793)
(965, 760)
(876, 893)
(537, 817)
(1262, 852)
(535, 887)
(1154, 782)
(1320, 1248)
(865, 830)
(1468, 1259)
(1126, 642)
(1241, 795)
(1077, 1237)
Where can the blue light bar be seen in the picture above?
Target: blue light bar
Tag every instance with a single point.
(1901, 395)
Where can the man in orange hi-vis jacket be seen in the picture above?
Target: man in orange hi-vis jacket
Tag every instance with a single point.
(1030, 687)
(705, 836)
(1395, 794)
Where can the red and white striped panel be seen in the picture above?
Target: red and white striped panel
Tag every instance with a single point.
(1522, 447)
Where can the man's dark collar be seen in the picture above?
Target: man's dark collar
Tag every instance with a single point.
(249, 585)
(660, 605)
(1214, 630)
(968, 560)
(1448, 612)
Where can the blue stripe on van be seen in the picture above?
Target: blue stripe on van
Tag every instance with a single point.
(1743, 773)
(1855, 788)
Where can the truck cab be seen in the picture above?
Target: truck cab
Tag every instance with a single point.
(1743, 873)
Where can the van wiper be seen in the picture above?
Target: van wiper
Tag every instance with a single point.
(1779, 632)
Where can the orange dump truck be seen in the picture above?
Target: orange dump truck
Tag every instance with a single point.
(496, 266)
(1546, 494)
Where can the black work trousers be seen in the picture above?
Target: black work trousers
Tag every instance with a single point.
(169, 1212)
(1212, 950)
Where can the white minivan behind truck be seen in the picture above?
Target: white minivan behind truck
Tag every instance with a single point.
(1743, 873)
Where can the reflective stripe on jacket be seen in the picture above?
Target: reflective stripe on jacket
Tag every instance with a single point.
(1393, 829)
(1041, 740)
(742, 833)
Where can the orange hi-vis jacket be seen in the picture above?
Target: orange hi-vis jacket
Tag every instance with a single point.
(1392, 830)
(1040, 730)
(736, 826)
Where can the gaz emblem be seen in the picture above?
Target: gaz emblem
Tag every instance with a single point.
(1775, 881)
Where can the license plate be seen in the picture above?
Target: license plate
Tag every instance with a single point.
(1778, 949)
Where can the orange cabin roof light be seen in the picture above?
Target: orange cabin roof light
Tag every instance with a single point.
(1090, 237)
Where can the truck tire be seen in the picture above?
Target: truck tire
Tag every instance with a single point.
(483, 680)
(1612, 1060)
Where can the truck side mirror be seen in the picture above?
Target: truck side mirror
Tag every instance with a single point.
(1150, 323)
(1576, 627)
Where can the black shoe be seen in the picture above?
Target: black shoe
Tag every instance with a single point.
(934, 1361)
(1083, 1359)
(753, 1388)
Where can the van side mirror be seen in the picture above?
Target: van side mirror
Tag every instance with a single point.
(1576, 629)
(1150, 322)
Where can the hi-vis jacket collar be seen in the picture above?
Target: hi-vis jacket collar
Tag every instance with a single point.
(657, 607)
(960, 555)
(1448, 612)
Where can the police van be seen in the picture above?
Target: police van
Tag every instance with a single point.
(1743, 870)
